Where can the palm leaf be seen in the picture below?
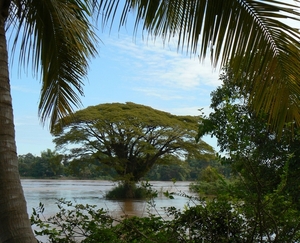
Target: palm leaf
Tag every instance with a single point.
(249, 34)
(57, 38)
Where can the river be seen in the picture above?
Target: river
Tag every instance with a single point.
(92, 192)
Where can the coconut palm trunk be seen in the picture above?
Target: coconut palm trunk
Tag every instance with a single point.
(14, 221)
(60, 40)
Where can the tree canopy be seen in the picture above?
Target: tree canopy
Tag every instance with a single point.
(130, 137)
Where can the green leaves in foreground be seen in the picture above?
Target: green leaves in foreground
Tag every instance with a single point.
(210, 221)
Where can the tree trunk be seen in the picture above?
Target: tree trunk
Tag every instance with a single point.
(14, 221)
(129, 188)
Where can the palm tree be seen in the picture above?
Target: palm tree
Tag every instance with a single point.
(57, 38)
(248, 34)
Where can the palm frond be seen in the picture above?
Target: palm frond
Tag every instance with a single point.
(249, 34)
(57, 38)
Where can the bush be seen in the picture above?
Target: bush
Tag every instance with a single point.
(137, 192)
(86, 224)
(73, 223)
(211, 189)
(213, 222)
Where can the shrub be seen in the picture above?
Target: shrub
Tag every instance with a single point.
(137, 192)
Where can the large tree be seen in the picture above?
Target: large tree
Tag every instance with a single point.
(57, 38)
(130, 138)
(251, 35)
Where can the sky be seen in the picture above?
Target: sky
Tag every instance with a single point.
(127, 69)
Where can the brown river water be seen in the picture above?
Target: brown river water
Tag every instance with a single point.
(93, 192)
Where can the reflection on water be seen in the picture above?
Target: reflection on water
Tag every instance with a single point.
(92, 192)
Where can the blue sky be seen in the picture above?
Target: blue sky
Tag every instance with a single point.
(126, 69)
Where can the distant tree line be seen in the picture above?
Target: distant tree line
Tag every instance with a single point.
(47, 165)
(50, 164)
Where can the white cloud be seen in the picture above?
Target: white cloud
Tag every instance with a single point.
(160, 93)
(24, 89)
(151, 64)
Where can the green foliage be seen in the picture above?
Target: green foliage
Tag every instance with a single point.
(209, 174)
(88, 168)
(180, 172)
(227, 218)
(73, 223)
(56, 37)
(216, 221)
(123, 190)
(211, 223)
(146, 229)
(264, 163)
(207, 221)
(198, 167)
(48, 164)
(212, 184)
(214, 189)
(25, 162)
(189, 170)
(254, 152)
